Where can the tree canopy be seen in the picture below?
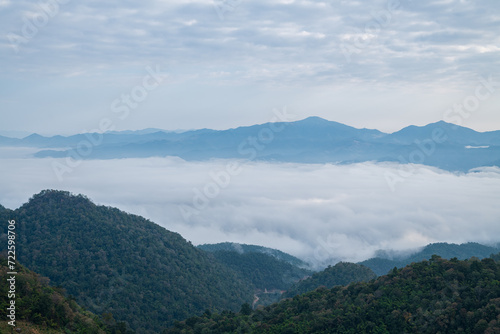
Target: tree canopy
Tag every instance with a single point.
(435, 296)
(122, 264)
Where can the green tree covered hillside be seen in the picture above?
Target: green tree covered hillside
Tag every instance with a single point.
(263, 270)
(121, 264)
(244, 249)
(384, 262)
(435, 296)
(342, 273)
(41, 308)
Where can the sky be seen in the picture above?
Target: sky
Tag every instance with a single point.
(322, 213)
(384, 64)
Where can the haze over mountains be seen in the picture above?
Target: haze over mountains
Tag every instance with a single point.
(312, 140)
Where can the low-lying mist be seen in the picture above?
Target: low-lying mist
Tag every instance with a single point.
(321, 213)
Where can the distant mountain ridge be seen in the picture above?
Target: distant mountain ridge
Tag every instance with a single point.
(311, 140)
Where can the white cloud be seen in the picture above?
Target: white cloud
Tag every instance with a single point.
(318, 212)
(154, 25)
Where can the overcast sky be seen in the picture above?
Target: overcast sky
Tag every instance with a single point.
(225, 63)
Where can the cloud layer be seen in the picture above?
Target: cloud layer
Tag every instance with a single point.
(261, 40)
(322, 213)
(231, 61)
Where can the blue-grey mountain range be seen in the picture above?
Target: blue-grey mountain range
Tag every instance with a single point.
(312, 140)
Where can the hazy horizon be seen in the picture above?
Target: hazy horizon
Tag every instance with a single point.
(22, 134)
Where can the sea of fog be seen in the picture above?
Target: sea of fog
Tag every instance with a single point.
(322, 213)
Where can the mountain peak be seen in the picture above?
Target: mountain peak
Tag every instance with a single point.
(447, 125)
(57, 197)
(414, 129)
(315, 119)
(34, 136)
(94, 251)
(318, 121)
(52, 192)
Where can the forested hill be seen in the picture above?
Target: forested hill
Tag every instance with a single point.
(435, 296)
(118, 263)
(243, 249)
(43, 309)
(4, 214)
(385, 262)
(342, 273)
(263, 270)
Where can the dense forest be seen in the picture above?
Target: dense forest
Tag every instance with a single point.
(385, 261)
(42, 308)
(244, 249)
(342, 273)
(121, 264)
(136, 276)
(264, 271)
(434, 296)
(5, 215)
